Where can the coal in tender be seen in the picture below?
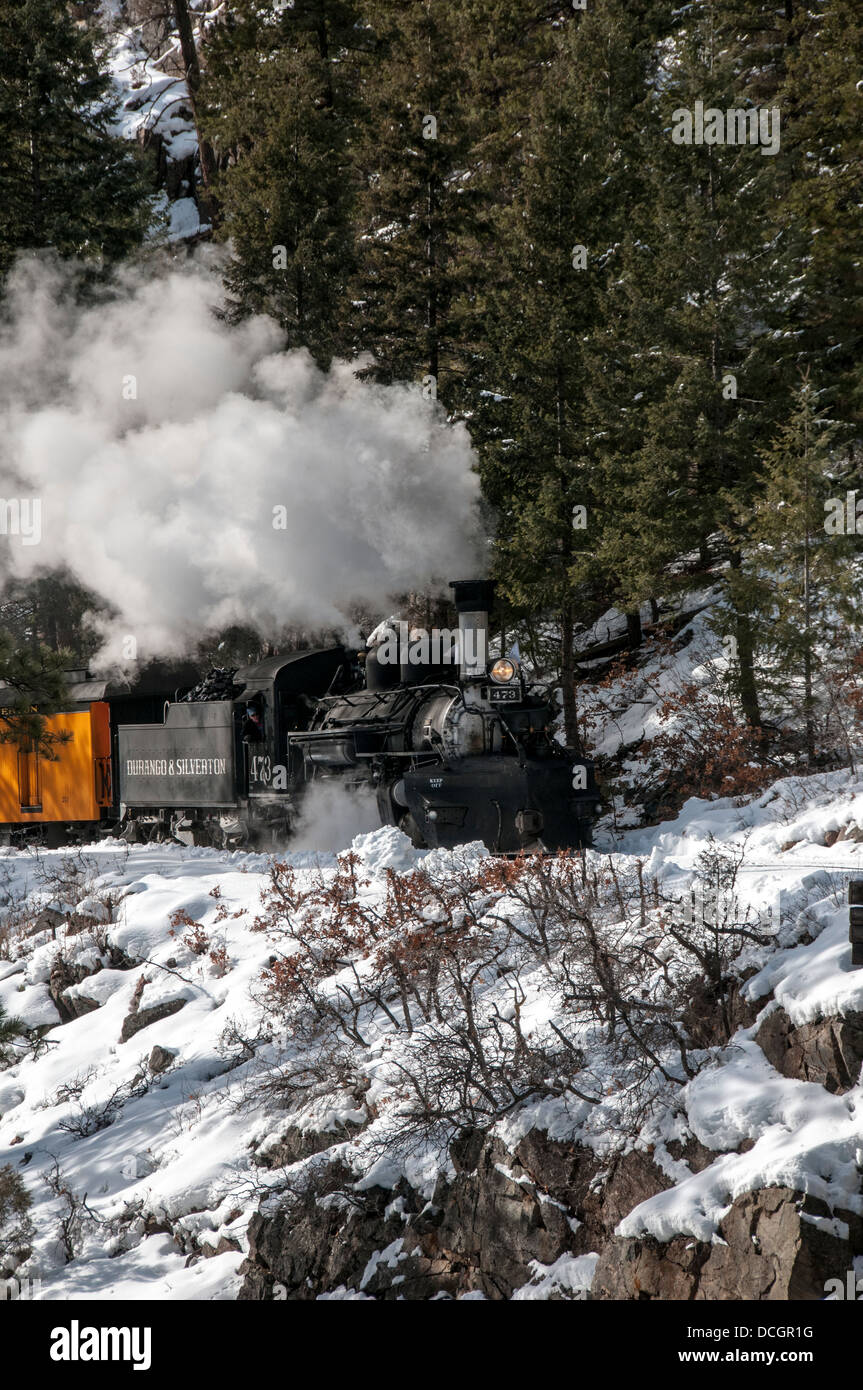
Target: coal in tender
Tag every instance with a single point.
(217, 684)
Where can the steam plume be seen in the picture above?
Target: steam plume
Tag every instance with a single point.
(162, 441)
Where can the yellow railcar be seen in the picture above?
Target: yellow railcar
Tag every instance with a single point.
(69, 786)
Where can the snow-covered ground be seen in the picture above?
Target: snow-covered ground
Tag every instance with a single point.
(172, 1151)
(175, 1147)
(181, 1151)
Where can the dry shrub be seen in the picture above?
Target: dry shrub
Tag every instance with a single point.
(453, 960)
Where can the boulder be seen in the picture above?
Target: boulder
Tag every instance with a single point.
(49, 919)
(161, 1059)
(828, 1051)
(80, 1004)
(778, 1245)
(139, 1019)
(63, 975)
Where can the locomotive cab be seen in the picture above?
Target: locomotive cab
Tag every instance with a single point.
(285, 690)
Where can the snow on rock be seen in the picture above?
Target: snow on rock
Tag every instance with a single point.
(92, 907)
(30, 1002)
(812, 984)
(805, 1139)
(98, 987)
(567, 1276)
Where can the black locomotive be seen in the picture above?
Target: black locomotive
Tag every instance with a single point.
(455, 747)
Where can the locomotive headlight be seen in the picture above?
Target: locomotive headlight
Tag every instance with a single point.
(503, 671)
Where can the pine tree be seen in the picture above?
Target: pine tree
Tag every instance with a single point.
(34, 685)
(55, 610)
(192, 73)
(10, 1029)
(797, 581)
(417, 197)
(822, 215)
(276, 104)
(67, 182)
(687, 377)
(579, 173)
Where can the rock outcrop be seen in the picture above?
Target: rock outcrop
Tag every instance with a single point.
(161, 1059)
(138, 1019)
(828, 1051)
(63, 975)
(482, 1231)
(502, 1215)
(778, 1245)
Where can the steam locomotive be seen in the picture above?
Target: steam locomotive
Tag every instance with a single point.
(454, 746)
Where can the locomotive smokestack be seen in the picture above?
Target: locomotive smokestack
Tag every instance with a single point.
(473, 600)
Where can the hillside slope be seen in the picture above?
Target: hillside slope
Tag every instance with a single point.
(159, 1123)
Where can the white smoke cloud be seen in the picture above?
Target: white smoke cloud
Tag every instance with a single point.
(164, 502)
(332, 815)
